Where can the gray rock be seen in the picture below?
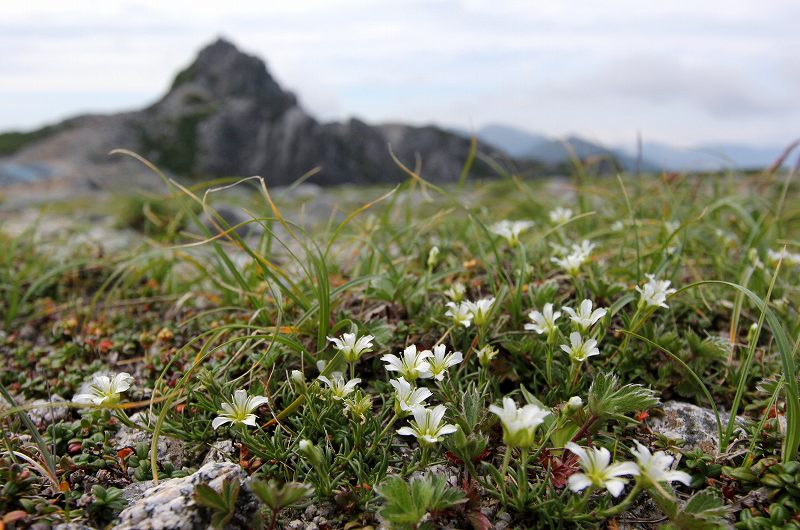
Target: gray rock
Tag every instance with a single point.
(171, 450)
(220, 451)
(135, 491)
(297, 524)
(644, 515)
(171, 504)
(45, 415)
(696, 426)
(72, 526)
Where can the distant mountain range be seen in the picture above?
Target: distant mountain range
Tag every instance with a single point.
(654, 156)
(225, 115)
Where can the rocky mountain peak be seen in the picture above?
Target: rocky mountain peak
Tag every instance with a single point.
(222, 72)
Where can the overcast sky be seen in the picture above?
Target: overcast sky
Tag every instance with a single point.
(680, 71)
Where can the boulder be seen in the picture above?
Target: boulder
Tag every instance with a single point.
(171, 504)
(695, 426)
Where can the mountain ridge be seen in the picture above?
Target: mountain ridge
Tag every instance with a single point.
(225, 115)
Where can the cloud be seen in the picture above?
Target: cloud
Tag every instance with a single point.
(722, 92)
(582, 65)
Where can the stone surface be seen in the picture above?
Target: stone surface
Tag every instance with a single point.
(171, 504)
(45, 415)
(171, 450)
(220, 451)
(696, 426)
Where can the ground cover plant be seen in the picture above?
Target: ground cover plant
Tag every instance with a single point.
(481, 354)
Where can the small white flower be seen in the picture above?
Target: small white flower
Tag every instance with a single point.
(573, 258)
(585, 247)
(352, 348)
(239, 410)
(617, 226)
(408, 398)
(560, 215)
(413, 364)
(459, 313)
(571, 263)
(655, 292)
(456, 292)
(105, 389)
(544, 322)
(656, 467)
(578, 349)
(519, 425)
(585, 317)
(339, 388)
(441, 361)
(789, 258)
(510, 230)
(598, 471)
(427, 425)
(480, 310)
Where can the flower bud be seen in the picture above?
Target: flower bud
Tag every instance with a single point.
(433, 257)
(299, 382)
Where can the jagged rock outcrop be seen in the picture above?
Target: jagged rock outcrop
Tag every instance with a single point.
(225, 115)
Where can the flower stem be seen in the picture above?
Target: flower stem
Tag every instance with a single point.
(522, 477)
(504, 474)
(380, 436)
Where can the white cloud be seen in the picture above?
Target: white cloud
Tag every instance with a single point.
(602, 68)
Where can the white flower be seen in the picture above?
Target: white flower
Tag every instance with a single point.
(571, 259)
(339, 389)
(352, 349)
(656, 467)
(480, 310)
(544, 322)
(585, 317)
(413, 364)
(456, 292)
(442, 360)
(408, 398)
(578, 349)
(239, 410)
(585, 247)
(460, 313)
(617, 226)
(789, 258)
(598, 471)
(571, 263)
(560, 215)
(105, 389)
(427, 425)
(510, 230)
(655, 292)
(519, 425)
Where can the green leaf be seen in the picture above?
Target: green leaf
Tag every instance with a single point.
(608, 400)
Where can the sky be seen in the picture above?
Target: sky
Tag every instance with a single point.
(682, 72)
